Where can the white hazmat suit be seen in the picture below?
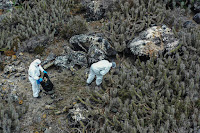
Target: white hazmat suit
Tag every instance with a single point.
(34, 73)
(99, 69)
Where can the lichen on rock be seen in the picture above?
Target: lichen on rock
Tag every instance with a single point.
(153, 40)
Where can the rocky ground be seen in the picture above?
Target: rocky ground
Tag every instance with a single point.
(47, 114)
(52, 113)
(66, 85)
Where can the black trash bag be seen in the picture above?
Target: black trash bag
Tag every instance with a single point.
(47, 85)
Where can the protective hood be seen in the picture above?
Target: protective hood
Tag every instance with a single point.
(36, 62)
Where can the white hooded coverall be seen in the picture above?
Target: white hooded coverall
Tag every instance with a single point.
(99, 69)
(34, 73)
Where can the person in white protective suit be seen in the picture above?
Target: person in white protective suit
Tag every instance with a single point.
(99, 69)
(34, 76)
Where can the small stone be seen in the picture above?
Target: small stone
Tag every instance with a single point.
(48, 130)
(14, 57)
(23, 78)
(16, 62)
(21, 54)
(17, 74)
(58, 112)
(49, 107)
(66, 108)
(20, 69)
(50, 101)
(102, 20)
(9, 69)
(44, 116)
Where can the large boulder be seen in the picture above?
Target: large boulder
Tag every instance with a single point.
(100, 49)
(80, 42)
(49, 61)
(96, 47)
(35, 44)
(196, 18)
(153, 40)
(14, 67)
(70, 59)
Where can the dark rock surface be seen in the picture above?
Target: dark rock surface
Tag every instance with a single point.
(95, 45)
(34, 44)
(80, 42)
(49, 61)
(70, 59)
(188, 24)
(14, 67)
(196, 18)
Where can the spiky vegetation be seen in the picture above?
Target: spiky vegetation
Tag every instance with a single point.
(11, 110)
(34, 18)
(76, 25)
(157, 95)
(129, 17)
(160, 95)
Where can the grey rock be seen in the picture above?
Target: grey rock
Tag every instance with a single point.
(20, 69)
(188, 24)
(48, 130)
(77, 113)
(34, 42)
(95, 54)
(62, 61)
(49, 102)
(17, 62)
(80, 42)
(50, 57)
(70, 59)
(49, 61)
(9, 69)
(196, 18)
(153, 40)
(197, 6)
(17, 74)
(96, 46)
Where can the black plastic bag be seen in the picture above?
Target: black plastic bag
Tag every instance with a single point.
(47, 85)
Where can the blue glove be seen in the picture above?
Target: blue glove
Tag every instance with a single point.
(39, 80)
(45, 72)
